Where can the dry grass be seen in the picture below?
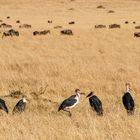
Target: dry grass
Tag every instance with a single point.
(100, 60)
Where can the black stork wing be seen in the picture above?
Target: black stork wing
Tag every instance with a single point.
(68, 102)
(3, 106)
(19, 107)
(128, 101)
(96, 103)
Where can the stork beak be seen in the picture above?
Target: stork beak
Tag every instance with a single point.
(91, 93)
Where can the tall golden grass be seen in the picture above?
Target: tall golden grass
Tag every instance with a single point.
(47, 69)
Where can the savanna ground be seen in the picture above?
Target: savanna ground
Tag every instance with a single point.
(101, 60)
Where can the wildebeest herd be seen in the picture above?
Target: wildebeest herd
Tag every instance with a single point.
(12, 32)
(72, 101)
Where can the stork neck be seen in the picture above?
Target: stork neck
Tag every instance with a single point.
(127, 88)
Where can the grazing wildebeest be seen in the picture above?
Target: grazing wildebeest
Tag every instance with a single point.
(128, 101)
(114, 26)
(11, 33)
(111, 11)
(50, 21)
(4, 25)
(71, 22)
(137, 34)
(20, 106)
(8, 17)
(3, 105)
(25, 26)
(67, 32)
(44, 32)
(36, 33)
(137, 27)
(100, 7)
(57, 27)
(100, 26)
(18, 21)
(134, 22)
(70, 102)
(126, 22)
(95, 103)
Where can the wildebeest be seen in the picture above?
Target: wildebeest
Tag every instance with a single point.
(100, 26)
(95, 103)
(4, 25)
(67, 32)
(50, 21)
(57, 27)
(20, 106)
(11, 33)
(126, 22)
(111, 11)
(18, 21)
(71, 22)
(128, 100)
(25, 26)
(1, 20)
(100, 7)
(137, 34)
(44, 32)
(114, 26)
(137, 27)
(8, 17)
(134, 22)
(3, 105)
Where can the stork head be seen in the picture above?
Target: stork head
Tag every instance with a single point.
(90, 94)
(77, 91)
(127, 87)
(24, 99)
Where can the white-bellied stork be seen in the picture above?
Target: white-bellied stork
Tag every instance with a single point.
(128, 100)
(95, 103)
(70, 102)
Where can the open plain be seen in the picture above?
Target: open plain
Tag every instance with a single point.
(47, 69)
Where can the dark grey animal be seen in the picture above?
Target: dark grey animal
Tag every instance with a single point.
(70, 102)
(137, 34)
(95, 103)
(67, 32)
(137, 27)
(4, 25)
(71, 22)
(114, 26)
(50, 21)
(128, 100)
(100, 26)
(18, 21)
(20, 106)
(100, 7)
(11, 33)
(111, 11)
(44, 32)
(126, 22)
(25, 26)
(3, 105)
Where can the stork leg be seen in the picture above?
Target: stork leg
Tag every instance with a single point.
(68, 112)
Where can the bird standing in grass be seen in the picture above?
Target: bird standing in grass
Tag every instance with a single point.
(95, 103)
(20, 106)
(70, 102)
(128, 101)
(3, 105)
